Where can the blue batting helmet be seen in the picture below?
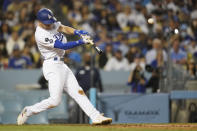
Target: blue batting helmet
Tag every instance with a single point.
(46, 16)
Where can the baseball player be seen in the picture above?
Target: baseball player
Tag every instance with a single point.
(52, 45)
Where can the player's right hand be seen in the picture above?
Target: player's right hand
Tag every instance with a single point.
(86, 39)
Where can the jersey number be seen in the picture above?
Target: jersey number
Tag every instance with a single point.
(48, 40)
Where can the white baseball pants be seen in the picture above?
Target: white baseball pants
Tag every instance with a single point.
(60, 78)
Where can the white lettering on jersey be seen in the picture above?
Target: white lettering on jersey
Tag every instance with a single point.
(59, 36)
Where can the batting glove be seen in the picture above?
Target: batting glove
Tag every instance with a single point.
(86, 39)
(81, 32)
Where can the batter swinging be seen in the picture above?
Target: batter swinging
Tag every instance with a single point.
(52, 45)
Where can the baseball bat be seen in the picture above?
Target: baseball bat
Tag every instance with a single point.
(99, 51)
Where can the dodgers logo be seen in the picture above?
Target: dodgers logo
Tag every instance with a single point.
(58, 36)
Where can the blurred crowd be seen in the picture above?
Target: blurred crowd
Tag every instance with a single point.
(140, 36)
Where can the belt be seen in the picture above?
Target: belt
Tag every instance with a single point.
(56, 59)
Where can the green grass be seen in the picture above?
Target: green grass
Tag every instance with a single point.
(119, 127)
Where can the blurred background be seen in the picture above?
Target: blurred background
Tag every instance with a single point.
(147, 73)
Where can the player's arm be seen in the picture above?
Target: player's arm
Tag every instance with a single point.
(71, 31)
(65, 46)
(71, 44)
(51, 42)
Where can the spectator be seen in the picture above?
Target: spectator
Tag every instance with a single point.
(112, 24)
(138, 18)
(23, 15)
(192, 113)
(157, 70)
(103, 17)
(133, 51)
(143, 43)
(151, 55)
(177, 55)
(117, 41)
(3, 50)
(133, 34)
(104, 57)
(27, 54)
(159, 61)
(118, 62)
(3, 62)
(153, 81)
(86, 19)
(74, 15)
(103, 38)
(192, 47)
(137, 81)
(171, 5)
(191, 69)
(124, 46)
(193, 27)
(85, 12)
(123, 17)
(18, 61)
(137, 61)
(5, 31)
(14, 40)
(33, 50)
(152, 5)
(98, 6)
(83, 75)
(11, 19)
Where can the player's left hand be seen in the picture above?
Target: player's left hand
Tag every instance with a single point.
(86, 39)
(81, 32)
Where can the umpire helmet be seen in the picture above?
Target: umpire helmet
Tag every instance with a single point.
(46, 16)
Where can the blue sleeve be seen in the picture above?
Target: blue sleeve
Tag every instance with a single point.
(71, 44)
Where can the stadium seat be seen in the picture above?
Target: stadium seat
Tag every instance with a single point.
(59, 112)
(40, 118)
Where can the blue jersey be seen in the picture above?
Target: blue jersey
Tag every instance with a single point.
(19, 63)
